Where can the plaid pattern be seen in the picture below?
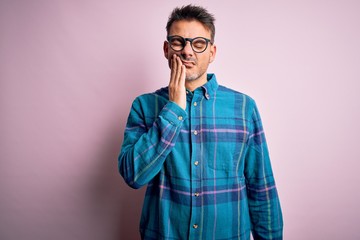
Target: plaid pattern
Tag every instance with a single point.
(207, 169)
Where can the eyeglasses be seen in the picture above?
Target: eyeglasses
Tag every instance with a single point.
(198, 44)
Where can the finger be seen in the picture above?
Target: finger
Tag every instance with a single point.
(182, 76)
(173, 69)
(178, 69)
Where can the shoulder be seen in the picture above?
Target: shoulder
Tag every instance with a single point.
(153, 100)
(239, 96)
(161, 93)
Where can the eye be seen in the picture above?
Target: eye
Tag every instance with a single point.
(199, 43)
(176, 42)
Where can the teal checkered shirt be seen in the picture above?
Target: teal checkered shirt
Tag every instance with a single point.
(207, 168)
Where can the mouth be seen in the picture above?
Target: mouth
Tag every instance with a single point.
(187, 63)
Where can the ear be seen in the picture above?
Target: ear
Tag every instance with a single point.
(166, 49)
(212, 53)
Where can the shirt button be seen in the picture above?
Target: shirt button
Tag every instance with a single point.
(195, 104)
(195, 226)
(196, 163)
(196, 194)
(180, 118)
(195, 132)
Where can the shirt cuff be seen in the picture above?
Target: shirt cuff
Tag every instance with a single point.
(173, 113)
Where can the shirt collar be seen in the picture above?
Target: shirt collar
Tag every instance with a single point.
(210, 87)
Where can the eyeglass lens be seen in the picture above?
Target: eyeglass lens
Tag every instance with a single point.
(198, 44)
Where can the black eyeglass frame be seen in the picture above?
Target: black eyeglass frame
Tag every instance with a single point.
(169, 38)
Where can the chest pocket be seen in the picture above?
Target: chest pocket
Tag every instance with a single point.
(224, 145)
(225, 156)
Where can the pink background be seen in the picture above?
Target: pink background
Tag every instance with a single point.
(69, 71)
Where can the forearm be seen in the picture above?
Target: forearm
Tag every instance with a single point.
(265, 210)
(263, 200)
(145, 150)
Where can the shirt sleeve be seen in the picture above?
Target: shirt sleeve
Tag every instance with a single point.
(263, 200)
(145, 149)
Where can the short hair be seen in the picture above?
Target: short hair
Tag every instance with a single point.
(192, 12)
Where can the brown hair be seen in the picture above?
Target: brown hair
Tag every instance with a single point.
(192, 12)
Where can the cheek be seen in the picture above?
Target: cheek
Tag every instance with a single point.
(204, 60)
(169, 62)
(167, 52)
(170, 53)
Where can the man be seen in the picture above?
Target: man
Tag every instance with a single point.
(199, 147)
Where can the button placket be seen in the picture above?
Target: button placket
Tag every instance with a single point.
(196, 169)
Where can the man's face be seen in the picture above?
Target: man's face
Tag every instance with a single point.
(196, 63)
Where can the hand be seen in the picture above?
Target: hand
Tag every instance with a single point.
(177, 90)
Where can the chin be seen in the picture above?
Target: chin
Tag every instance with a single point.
(191, 78)
(194, 76)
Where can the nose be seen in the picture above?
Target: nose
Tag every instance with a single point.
(187, 50)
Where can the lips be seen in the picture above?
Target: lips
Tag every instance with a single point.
(188, 64)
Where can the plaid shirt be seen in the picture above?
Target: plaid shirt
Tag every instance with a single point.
(207, 168)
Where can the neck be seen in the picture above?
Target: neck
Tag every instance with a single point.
(194, 84)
